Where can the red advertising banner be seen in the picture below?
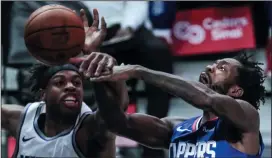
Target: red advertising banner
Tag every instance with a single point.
(212, 30)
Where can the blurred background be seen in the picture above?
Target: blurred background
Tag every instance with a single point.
(176, 37)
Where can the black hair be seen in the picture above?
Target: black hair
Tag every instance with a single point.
(40, 75)
(250, 78)
(35, 79)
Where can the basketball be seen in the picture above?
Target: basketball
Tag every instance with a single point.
(53, 34)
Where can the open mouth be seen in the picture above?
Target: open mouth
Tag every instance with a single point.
(70, 101)
(204, 78)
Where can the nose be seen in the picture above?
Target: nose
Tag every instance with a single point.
(70, 87)
(210, 68)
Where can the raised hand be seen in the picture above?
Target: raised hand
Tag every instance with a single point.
(94, 36)
(94, 64)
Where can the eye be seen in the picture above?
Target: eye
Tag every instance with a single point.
(222, 67)
(59, 83)
(77, 82)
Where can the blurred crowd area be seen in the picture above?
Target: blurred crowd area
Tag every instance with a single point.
(175, 37)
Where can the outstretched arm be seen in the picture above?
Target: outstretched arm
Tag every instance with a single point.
(145, 129)
(202, 97)
(195, 93)
(10, 117)
(94, 133)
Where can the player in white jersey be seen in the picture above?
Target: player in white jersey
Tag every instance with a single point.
(60, 124)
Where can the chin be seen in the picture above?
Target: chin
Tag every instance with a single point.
(205, 83)
(219, 89)
(71, 114)
(70, 111)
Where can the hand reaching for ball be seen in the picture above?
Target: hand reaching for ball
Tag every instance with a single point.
(94, 36)
(94, 64)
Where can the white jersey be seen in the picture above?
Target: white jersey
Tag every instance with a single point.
(31, 142)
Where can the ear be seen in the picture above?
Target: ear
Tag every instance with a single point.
(236, 91)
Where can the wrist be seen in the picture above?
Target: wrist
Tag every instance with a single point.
(138, 70)
(89, 50)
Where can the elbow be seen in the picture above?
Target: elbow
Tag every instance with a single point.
(4, 123)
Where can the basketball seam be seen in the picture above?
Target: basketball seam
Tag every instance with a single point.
(41, 60)
(46, 11)
(50, 49)
(44, 29)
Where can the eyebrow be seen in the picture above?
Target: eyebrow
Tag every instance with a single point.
(56, 76)
(222, 61)
(61, 76)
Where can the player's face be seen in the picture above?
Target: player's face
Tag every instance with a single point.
(221, 75)
(64, 92)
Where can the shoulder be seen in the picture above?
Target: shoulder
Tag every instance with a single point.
(252, 113)
(248, 108)
(34, 105)
(246, 104)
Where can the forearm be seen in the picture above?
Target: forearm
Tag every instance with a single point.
(10, 116)
(138, 127)
(121, 93)
(4, 119)
(194, 93)
(110, 109)
(202, 97)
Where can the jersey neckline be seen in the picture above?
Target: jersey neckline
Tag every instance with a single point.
(40, 133)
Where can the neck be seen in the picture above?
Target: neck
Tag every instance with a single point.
(207, 116)
(55, 124)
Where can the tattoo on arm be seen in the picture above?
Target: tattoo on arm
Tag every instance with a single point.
(192, 92)
(137, 127)
(202, 97)
(93, 134)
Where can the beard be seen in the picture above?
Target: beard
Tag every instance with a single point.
(59, 113)
(221, 88)
(218, 88)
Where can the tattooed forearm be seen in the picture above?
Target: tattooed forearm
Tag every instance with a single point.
(109, 107)
(203, 97)
(194, 93)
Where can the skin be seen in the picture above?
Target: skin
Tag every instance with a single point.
(215, 98)
(60, 117)
(92, 138)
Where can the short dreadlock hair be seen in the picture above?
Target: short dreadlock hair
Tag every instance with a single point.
(250, 78)
(40, 75)
(36, 74)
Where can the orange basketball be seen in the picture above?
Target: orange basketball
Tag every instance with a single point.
(53, 34)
